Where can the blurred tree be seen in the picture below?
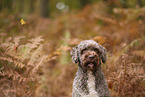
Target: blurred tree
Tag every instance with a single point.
(6, 5)
(29, 6)
(0, 5)
(44, 8)
(32, 2)
(18, 6)
(72, 4)
(139, 2)
(123, 3)
(84, 2)
(48, 7)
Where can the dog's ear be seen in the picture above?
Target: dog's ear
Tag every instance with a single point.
(74, 54)
(103, 54)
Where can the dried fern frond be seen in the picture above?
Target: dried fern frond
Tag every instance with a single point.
(19, 62)
(34, 55)
(17, 40)
(36, 41)
(131, 13)
(140, 53)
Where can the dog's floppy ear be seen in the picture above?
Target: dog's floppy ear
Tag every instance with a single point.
(74, 54)
(103, 55)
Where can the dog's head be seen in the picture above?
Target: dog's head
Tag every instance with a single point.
(89, 54)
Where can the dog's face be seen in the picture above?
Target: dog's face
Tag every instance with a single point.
(89, 58)
(89, 54)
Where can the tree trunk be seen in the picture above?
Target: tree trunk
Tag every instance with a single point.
(44, 8)
(84, 3)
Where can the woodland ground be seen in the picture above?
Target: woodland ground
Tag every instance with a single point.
(35, 59)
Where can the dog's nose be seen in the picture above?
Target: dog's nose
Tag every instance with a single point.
(91, 57)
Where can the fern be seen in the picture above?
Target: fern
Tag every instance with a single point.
(140, 53)
(19, 62)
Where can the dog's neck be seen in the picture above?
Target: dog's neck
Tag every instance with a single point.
(89, 78)
(91, 84)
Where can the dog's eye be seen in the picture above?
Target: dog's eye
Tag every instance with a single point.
(96, 50)
(82, 51)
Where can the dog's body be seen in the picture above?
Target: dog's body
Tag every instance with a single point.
(89, 80)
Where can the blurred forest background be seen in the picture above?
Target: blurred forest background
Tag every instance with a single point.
(36, 37)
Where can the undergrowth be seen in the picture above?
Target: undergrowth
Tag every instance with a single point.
(127, 79)
(35, 67)
(19, 65)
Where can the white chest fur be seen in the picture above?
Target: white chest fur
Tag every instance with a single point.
(91, 85)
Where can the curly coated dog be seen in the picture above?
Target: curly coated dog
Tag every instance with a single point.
(89, 80)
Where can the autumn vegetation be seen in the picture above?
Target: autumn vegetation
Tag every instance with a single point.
(35, 51)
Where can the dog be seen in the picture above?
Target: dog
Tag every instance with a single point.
(89, 80)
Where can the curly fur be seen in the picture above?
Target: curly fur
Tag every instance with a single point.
(89, 82)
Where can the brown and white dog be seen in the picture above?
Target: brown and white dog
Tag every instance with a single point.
(89, 80)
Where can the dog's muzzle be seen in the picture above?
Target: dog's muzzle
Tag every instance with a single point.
(91, 62)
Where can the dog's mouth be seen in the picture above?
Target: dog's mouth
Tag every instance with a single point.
(91, 65)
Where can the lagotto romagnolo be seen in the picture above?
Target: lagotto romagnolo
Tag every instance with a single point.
(89, 80)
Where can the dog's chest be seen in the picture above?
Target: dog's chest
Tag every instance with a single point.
(91, 85)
